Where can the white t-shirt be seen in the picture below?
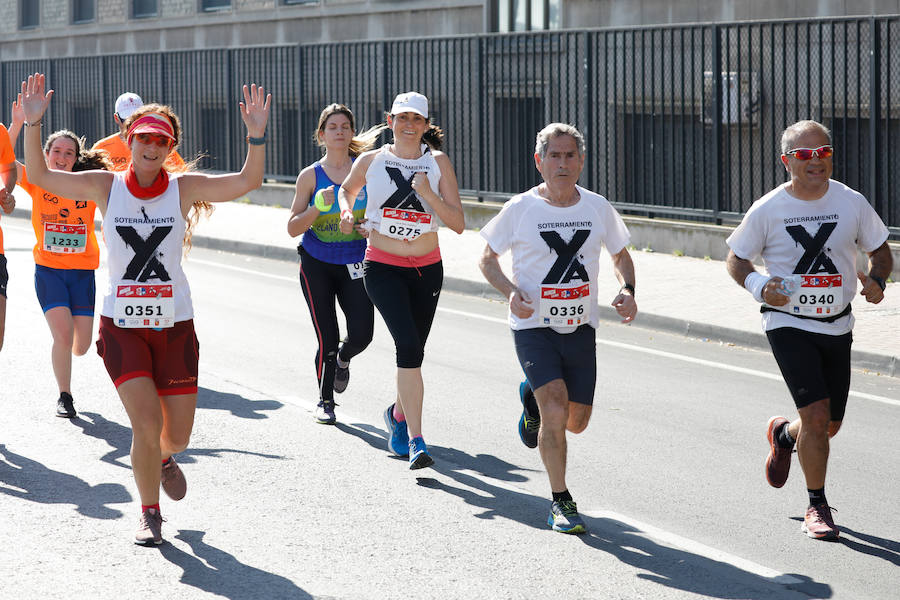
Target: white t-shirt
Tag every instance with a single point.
(816, 240)
(555, 252)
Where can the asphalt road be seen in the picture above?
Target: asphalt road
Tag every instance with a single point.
(669, 473)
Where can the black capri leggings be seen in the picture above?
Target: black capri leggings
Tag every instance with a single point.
(323, 283)
(407, 299)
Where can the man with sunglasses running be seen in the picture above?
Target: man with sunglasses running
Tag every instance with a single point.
(807, 232)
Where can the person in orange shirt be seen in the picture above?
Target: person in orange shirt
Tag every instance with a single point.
(66, 254)
(7, 204)
(115, 146)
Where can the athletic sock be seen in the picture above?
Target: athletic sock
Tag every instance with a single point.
(783, 437)
(817, 496)
(398, 416)
(563, 496)
(153, 506)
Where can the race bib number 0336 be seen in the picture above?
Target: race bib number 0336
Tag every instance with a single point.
(565, 306)
(402, 224)
(65, 239)
(818, 296)
(144, 306)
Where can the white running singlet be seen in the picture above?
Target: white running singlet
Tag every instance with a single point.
(144, 241)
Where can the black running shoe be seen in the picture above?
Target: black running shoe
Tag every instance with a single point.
(528, 425)
(341, 375)
(65, 406)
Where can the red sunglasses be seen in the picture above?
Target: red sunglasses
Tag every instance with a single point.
(153, 138)
(808, 153)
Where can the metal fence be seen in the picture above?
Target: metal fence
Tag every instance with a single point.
(681, 121)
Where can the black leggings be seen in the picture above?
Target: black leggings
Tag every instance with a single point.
(323, 283)
(407, 299)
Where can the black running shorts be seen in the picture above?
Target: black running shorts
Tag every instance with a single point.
(546, 355)
(815, 366)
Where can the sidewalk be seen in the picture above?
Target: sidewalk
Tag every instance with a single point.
(685, 295)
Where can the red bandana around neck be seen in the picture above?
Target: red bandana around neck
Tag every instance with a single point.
(159, 185)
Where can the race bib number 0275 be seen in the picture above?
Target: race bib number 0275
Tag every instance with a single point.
(64, 238)
(144, 306)
(402, 224)
(565, 306)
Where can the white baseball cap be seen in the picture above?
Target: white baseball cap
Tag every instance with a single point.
(413, 102)
(127, 103)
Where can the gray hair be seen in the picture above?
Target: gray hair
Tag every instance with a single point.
(555, 130)
(790, 135)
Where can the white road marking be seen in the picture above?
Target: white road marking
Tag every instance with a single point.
(211, 263)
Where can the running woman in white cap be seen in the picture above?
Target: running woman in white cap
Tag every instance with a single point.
(115, 146)
(147, 337)
(410, 184)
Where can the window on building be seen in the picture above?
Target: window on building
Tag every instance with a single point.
(213, 5)
(291, 2)
(82, 11)
(29, 13)
(526, 15)
(141, 9)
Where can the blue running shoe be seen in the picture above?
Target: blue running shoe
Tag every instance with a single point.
(528, 425)
(418, 454)
(564, 517)
(398, 437)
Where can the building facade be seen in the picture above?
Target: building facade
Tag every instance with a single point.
(59, 28)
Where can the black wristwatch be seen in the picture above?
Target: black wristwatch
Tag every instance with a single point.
(627, 286)
(879, 281)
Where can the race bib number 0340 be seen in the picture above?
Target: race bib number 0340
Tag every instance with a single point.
(65, 239)
(565, 306)
(402, 224)
(144, 306)
(818, 296)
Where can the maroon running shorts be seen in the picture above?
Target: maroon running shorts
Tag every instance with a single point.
(169, 356)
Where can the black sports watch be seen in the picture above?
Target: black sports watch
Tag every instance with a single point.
(879, 281)
(627, 286)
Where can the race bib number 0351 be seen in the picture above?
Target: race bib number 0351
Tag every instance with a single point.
(818, 296)
(565, 306)
(144, 306)
(65, 239)
(402, 224)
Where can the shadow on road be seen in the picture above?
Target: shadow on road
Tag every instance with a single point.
(667, 566)
(687, 571)
(217, 572)
(119, 437)
(878, 547)
(236, 404)
(30, 480)
(115, 434)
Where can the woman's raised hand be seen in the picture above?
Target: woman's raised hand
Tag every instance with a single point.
(34, 100)
(255, 109)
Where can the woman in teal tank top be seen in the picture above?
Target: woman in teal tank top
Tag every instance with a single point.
(330, 261)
